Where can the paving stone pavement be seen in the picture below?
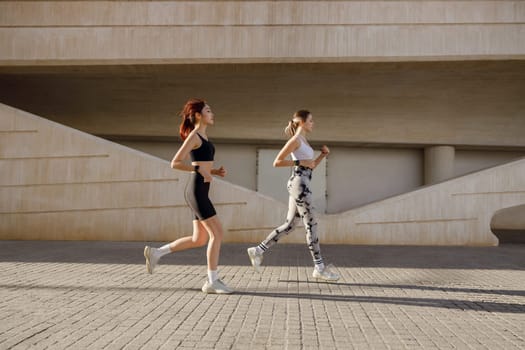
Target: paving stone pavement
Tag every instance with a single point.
(97, 295)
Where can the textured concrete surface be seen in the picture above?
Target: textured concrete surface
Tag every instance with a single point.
(97, 295)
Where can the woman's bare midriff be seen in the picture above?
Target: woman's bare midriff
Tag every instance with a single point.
(206, 166)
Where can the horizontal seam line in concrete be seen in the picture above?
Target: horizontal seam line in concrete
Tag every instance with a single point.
(414, 221)
(483, 193)
(17, 131)
(108, 209)
(56, 61)
(58, 157)
(88, 183)
(255, 25)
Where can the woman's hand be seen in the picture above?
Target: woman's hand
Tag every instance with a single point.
(219, 172)
(325, 151)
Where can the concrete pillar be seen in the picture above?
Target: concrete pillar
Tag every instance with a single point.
(439, 163)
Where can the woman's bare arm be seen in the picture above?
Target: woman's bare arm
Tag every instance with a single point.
(183, 153)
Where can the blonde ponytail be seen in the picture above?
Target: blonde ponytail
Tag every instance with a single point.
(291, 128)
(298, 117)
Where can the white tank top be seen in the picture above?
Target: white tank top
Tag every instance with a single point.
(304, 151)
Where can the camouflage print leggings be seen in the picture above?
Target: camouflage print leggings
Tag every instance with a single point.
(299, 207)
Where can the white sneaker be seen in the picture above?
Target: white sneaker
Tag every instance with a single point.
(327, 274)
(151, 258)
(255, 258)
(217, 287)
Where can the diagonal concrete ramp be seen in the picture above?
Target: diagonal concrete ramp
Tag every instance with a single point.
(454, 212)
(58, 183)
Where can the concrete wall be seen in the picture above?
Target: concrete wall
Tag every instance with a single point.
(60, 183)
(358, 176)
(451, 212)
(122, 69)
(240, 160)
(512, 218)
(94, 32)
(467, 161)
(355, 176)
(465, 104)
(508, 224)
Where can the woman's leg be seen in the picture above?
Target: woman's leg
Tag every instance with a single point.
(291, 220)
(300, 191)
(198, 239)
(214, 283)
(256, 253)
(214, 228)
(303, 199)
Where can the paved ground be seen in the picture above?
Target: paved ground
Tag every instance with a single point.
(82, 295)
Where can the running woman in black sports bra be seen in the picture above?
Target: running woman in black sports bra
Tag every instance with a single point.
(196, 116)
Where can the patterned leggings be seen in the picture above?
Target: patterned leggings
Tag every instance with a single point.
(299, 206)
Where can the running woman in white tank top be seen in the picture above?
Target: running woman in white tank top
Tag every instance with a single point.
(300, 202)
(304, 151)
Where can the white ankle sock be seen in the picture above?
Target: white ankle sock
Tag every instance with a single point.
(165, 249)
(258, 250)
(213, 275)
(319, 267)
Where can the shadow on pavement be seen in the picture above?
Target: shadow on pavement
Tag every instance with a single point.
(420, 287)
(478, 305)
(486, 306)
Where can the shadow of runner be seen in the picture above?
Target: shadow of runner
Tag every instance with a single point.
(486, 306)
(481, 305)
(520, 293)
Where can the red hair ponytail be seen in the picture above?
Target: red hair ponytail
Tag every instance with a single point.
(192, 107)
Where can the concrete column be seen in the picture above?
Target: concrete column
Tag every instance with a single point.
(439, 163)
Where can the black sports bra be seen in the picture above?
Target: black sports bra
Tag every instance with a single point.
(204, 153)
